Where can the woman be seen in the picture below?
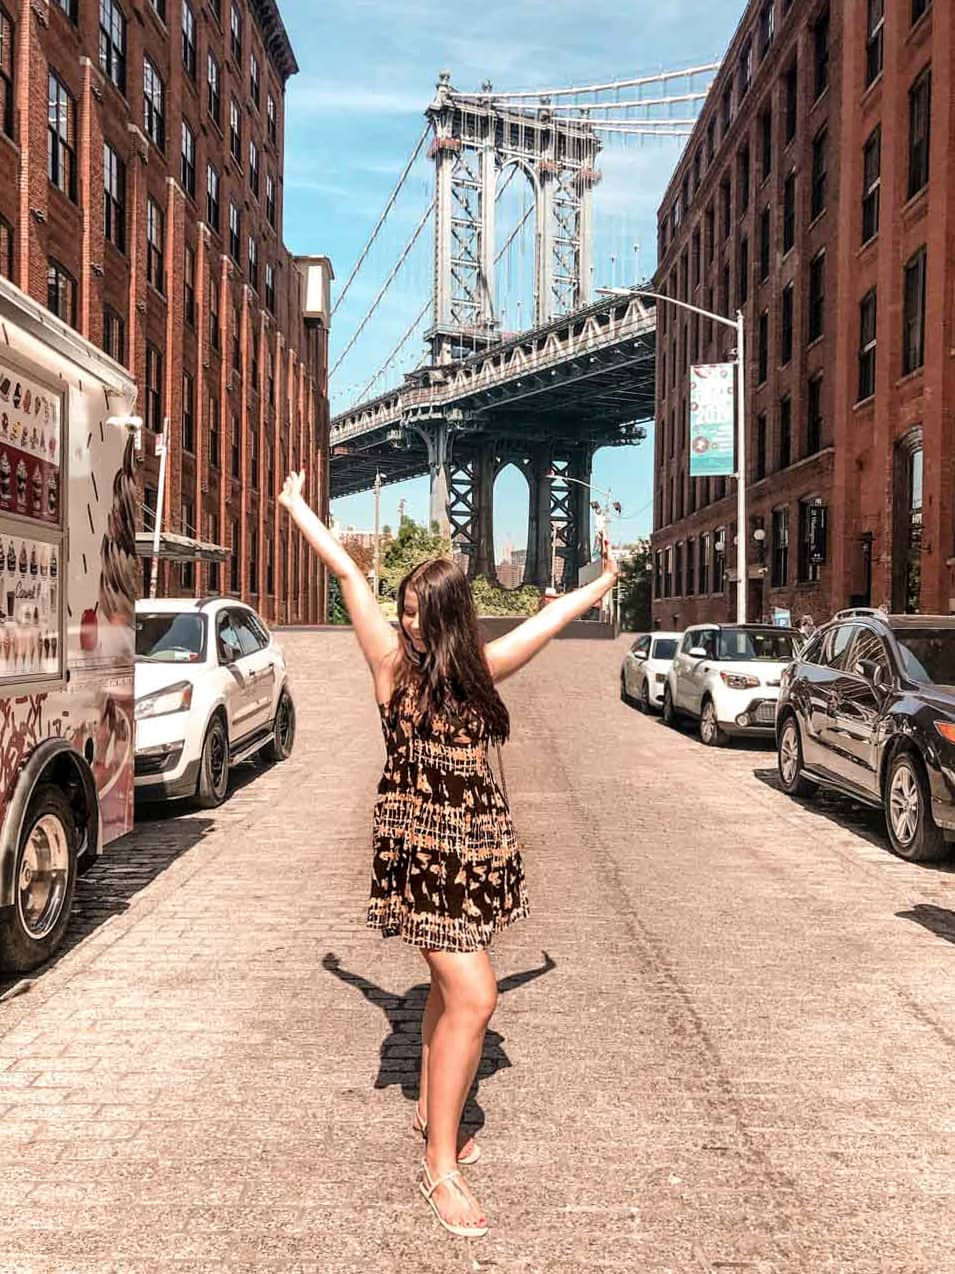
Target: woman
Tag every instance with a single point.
(447, 872)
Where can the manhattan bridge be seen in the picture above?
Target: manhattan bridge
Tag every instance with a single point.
(518, 363)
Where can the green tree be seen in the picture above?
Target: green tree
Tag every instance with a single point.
(412, 545)
(491, 599)
(636, 593)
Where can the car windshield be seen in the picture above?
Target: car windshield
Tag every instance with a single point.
(171, 638)
(664, 648)
(928, 655)
(765, 645)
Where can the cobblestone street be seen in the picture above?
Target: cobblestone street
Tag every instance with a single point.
(726, 1039)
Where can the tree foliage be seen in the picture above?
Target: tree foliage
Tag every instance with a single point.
(491, 599)
(636, 594)
(412, 545)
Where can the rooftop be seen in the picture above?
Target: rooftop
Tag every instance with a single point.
(275, 37)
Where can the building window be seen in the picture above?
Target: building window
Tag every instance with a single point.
(270, 200)
(818, 198)
(235, 32)
(235, 232)
(875, 19)
(114, 198)
(61, 133)
(913, 314)
(235, 558)
(255, 79)
(188, 569)
(154, 98)
(188, 412)
(743, 178)
(907, 525)
(61, 292)
(212, 578)
(765, 144)
(214, 85)
(254, 359)
(153, 388)
(159, 8)
(235, 449)
(690, 567)
(745, 69)
(867, 327)
(254, 168)
(114, 334)
(789, 212)
(871, 184)
(709, 238)
(212, 198)
(763, 348)
(189, 285)
(791, 100)
(6, 248)
(719, 561)
(236, 338)
(812, 539)
(726, 202)
(188, 39)
(767, 26)
(235, 130)
(785, 432)
(155, 246)
(703, 563)
(817, 295)
(760, 446)
(786, 325)
(919, 7)
(920, 102)
(253, 455)
(820, 53)
(764, 233)
(743, 279)
(188, 164)
(253, 262)
(70, 8)
(780, 576)
(215, 326)
(271, 120)
(814, 416)
(270, 287)
(112, 43)
(678, 571)
(215, 434)
(6, 73)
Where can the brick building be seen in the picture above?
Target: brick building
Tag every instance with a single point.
(141, 157)
(815, 195)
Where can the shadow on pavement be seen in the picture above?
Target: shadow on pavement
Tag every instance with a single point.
(401, 1050)
(864, 820)
(938, 920)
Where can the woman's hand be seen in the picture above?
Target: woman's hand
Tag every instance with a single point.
(607, 559)
(292, 489)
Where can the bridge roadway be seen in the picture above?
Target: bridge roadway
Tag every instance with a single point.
(736, 1054)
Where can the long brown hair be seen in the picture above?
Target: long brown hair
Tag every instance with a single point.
(452, 676)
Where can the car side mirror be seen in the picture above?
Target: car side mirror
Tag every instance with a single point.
(229, 653)
(697, 652)
(641, 654)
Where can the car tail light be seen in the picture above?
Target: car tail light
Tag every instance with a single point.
(739, 680)
(946, 729)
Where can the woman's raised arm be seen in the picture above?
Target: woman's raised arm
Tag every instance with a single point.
(377, 638)
(512, 651)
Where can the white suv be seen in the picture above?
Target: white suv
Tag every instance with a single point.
(211, 690)
(727, 677)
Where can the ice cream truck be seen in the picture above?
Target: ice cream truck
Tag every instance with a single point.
(68, 582)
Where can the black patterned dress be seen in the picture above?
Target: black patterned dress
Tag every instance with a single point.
(447, 872)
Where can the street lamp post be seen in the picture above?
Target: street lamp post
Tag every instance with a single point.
(740, 475)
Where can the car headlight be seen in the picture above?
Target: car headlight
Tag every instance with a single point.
(739, 680)
(177, 698)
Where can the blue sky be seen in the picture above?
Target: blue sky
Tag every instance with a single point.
(354, 114)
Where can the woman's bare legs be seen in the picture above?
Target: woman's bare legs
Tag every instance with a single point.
(467, 988)
(432, 1011)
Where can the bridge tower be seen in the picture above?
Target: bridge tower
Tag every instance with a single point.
(475, 138)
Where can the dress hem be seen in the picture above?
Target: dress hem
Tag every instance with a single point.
(436, 933)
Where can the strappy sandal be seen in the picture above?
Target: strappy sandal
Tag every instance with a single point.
(428, 1187)
(466, 1161)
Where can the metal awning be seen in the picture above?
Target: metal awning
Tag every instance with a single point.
(180, 548)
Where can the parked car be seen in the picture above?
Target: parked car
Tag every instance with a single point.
(869, 709)
(211, 691)
(726, 676)
(644, 671)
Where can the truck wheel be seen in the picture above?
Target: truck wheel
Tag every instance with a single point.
(279, 747)
(913, 832)
(710, 731)
(44, 879)
(213, 781)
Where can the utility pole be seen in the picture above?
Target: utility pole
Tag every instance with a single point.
(377, 488)
(162, 446)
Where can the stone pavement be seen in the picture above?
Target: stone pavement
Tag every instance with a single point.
(726, 1040)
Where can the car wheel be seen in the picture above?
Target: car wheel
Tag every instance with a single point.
(669, 711)
(789, 761)
(44, 878)
(624, 696)
(710, 731)
(913, 832)
(280, 746)
(213, 781)
(645, 697)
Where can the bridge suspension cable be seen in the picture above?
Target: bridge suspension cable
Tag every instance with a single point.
(381, 220)
(385, 286)
(528, 94)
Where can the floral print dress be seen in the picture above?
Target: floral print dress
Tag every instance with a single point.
(447, 873)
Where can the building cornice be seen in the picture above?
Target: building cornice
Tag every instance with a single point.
(275, 37)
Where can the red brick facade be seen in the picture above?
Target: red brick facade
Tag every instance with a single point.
(247, 402)
(849, 328)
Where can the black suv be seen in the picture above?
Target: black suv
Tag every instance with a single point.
(869, 708)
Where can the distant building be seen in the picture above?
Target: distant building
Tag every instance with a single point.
(510, 569)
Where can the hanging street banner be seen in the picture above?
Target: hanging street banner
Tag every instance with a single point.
(712, 399)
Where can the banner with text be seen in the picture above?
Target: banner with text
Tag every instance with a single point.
(712, 400)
